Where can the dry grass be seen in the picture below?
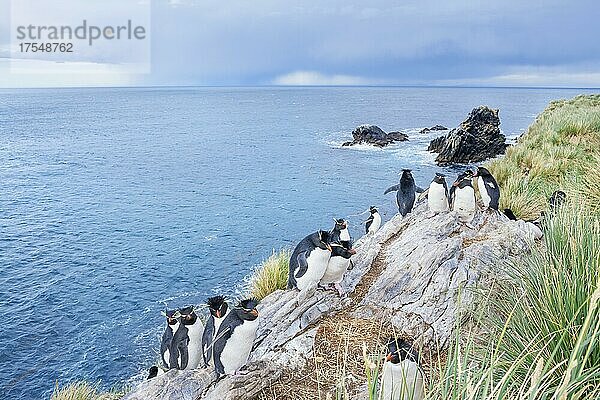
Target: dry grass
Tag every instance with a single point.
(84, 391)
(271, 275)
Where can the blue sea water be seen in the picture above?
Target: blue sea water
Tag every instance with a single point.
(114, 202)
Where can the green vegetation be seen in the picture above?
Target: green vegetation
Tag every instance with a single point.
(84, 391)
(271, 275)
(539, 336)
(544, 339)
(555, 153)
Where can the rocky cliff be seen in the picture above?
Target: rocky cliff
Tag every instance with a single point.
(411, 278)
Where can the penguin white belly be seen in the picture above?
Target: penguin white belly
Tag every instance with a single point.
(195, 345)
(375, 224)
(485, 197)
(436, 198)
(464, 203)
(344, 235)
(217, 323)
(237, 349)
(402, 381)
(336, 267)
(317, 264)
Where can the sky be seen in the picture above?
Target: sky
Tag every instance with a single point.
(317, 42)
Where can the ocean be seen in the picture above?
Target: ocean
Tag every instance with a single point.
(115, 203)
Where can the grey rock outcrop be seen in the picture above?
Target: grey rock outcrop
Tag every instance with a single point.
(372, 134)
(416, 272)
(434, 128)
(476, 139)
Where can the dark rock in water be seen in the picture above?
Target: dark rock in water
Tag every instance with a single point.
(374, 135)
(434, 128)
(477, 138)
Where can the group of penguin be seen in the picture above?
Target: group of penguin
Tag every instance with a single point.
(224, 344)
(460, 198)
(320, 260)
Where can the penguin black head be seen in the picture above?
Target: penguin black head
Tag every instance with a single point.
(324, 239)
(482, 171)
(373, 209)
(217, 306)
(400, 349)
(188, 315)
(439, 178)
(340, 224)
(557, 199)
(467, 174)
(246, 309)
(342, 249)
(407, 176)
(464, 183)
(172, 316)
(153, 372)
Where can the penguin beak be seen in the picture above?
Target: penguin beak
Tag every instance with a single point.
(328, 247)
(218, 313)
(388, 357)
(352, 251)
(254, 312)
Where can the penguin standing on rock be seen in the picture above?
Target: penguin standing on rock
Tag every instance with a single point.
(340, 231)
(195, 330)
(405, 192)
(338, 264)
(488, 188)
(186, 344)
(172, 317)
(463, 202)
(373, 223)
(402, 377)
(219, 310)
(309, 260)
(437, 195)
(235, 338)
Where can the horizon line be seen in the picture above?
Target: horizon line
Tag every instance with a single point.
(308, 86)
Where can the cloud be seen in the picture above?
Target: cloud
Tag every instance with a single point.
(557, 76)
(313, 78)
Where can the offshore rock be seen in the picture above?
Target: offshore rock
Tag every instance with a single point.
(476, 139)
(372, 134)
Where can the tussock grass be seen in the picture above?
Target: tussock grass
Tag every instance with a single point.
(544, 323)
(84, 391)
(555, 153)
(271, 275)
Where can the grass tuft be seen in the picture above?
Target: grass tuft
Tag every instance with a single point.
(271, 275)
(84, 391)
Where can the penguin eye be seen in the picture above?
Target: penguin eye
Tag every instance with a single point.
(188, 317)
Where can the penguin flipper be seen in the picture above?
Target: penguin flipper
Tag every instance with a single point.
(219, 345)
(183, 352)
(302, 264)
(368, 223)
(207, 336)
(419, 189)
(394, 188)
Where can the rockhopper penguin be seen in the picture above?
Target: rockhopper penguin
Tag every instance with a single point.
(219, 310)
(373, 223)
(235, 338)
(437, 195)
(405, 192)
(402, 377)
